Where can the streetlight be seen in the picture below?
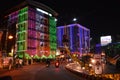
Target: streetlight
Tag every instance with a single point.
(75, 20)
(93, 61)
(10, 37)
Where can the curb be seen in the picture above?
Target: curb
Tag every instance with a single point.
(86, 76)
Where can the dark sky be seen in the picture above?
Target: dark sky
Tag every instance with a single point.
(102, 17)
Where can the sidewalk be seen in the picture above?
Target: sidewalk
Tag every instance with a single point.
(3, 71)
(6, 69)
(84, 75)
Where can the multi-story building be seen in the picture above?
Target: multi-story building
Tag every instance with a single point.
(75, 36)
(35, 29)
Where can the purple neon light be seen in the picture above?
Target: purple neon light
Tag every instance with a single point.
(81, 35)
(74, 25)
(32, 43)
(71, 38)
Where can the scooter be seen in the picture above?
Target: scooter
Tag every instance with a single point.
(57, 64)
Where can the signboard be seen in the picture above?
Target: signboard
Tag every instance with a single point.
(98, 69)
(98, 65)
(105, 40)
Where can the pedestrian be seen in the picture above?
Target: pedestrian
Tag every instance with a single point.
(17, 63)
(10, 64)
(20, 63)
(48, 63)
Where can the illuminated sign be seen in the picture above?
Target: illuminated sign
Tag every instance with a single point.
(40, 10)
(105, 40)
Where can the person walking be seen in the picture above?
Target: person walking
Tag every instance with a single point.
(20, 63)
(16, 63)
(10, 64)
(48, 63)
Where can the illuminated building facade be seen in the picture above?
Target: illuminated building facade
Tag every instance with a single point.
(78, 38)
(35, 30)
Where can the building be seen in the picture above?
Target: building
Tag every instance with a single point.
(35, 29)
(75, 36)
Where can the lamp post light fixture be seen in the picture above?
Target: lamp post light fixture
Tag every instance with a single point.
(10, 37)
(75, 20)
(6, 42)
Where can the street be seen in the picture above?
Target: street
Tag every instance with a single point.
(41, 72)
(110, 69)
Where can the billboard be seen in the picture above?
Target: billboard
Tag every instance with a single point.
(105, 40)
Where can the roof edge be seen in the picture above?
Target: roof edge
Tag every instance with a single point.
(32, 3)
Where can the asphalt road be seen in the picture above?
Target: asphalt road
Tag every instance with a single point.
(40, 72)
(110, 69)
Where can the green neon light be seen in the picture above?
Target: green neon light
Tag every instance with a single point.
(36, 57)
(23, 10)
(43, 57)
(52, 22)
(52, 31)
(51, 56)
(27, 56)
(22, 32)
(23, 15)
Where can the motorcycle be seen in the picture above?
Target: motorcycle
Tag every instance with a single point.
(57, 64)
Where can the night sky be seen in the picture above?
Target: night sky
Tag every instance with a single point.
(101, 17)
